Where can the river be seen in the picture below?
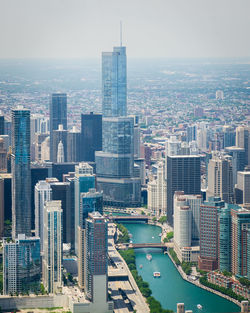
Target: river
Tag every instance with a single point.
(171, 288)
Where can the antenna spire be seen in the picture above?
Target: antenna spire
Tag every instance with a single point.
(121, 33)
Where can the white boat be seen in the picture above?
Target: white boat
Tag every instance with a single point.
(157, 274)
(149, 257)
(160, 234)
(153, 237)
(199, 306)
(140, 266)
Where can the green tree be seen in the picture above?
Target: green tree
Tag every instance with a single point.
(163, 219)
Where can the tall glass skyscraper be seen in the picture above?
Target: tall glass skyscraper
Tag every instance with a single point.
(114, 82)
(115, 163)
(58, 115)
(21, 175)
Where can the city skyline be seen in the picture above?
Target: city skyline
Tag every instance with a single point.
(162, 28)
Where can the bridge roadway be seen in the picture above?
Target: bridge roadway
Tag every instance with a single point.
(121, 218)
(144, 245)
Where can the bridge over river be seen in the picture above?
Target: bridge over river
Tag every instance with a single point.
(129, 218)
(160, 245)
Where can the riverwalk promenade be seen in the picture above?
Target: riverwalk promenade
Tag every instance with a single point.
(198, 284)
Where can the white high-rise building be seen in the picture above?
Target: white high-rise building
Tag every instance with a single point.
(220, 178)
(157, 192)
(43, 193)
(52, 259)
(186, 226)
(60, 153)
(173, 146)
(182, 221)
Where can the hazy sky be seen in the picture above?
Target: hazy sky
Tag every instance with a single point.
(151, 28)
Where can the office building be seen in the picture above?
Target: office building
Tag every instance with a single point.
(2, 218)
(60, 135)
(157, 192)
(84, 180)
(96, 258)
(242, 189)
(43, 193)
(115, 163)
(70, 178)
(191, 133)
(21, 175)
(58, 115)
(90, 202)
(21, 265)
(114, 82)
(240, 254)
(182, 223)
(3, 156)
(237, 160)
(186, 226)
(39, 139)
(229, 136)
(183, 173)
(52, 259)
(2, 132)
(74, 145)
(172, 146)
(45, 150)
(243, 141)
(220, 178)
(208, 260)
(61, 191)
(91, 136)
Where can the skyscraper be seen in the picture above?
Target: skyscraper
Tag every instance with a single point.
(183, 173)
(21, 265)
(240, 245)
(220, 178)
(115, 163)
(243, 141)
(157, 192)
(96, 258)
(2, 125)
(209, 244)
(43, 193)
(59, 135)
(91, 201)
(242, 189)
(21, 179)
(91, 136)
(74, 145)
(114, 82)
(58, 115)
(52, 259)
(84, 180)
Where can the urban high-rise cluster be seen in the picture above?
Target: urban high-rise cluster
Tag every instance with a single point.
(58, 179)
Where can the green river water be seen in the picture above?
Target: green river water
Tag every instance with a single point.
(171, 288)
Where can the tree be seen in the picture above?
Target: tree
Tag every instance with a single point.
(154, 219)
(163, 219)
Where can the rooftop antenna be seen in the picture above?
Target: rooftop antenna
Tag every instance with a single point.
(121, 33)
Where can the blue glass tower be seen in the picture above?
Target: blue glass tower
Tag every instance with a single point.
(21, 179)
(115, 163)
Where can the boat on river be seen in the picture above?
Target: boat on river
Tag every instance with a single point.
(160, 234)
(140, 266)
(199, 306)
(157, 274)
(149, 257)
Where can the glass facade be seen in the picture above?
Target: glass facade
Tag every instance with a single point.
(96, 257)
(22, 266)
(225, 238)
(114, 82)
(58, 115)
(21, 175)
